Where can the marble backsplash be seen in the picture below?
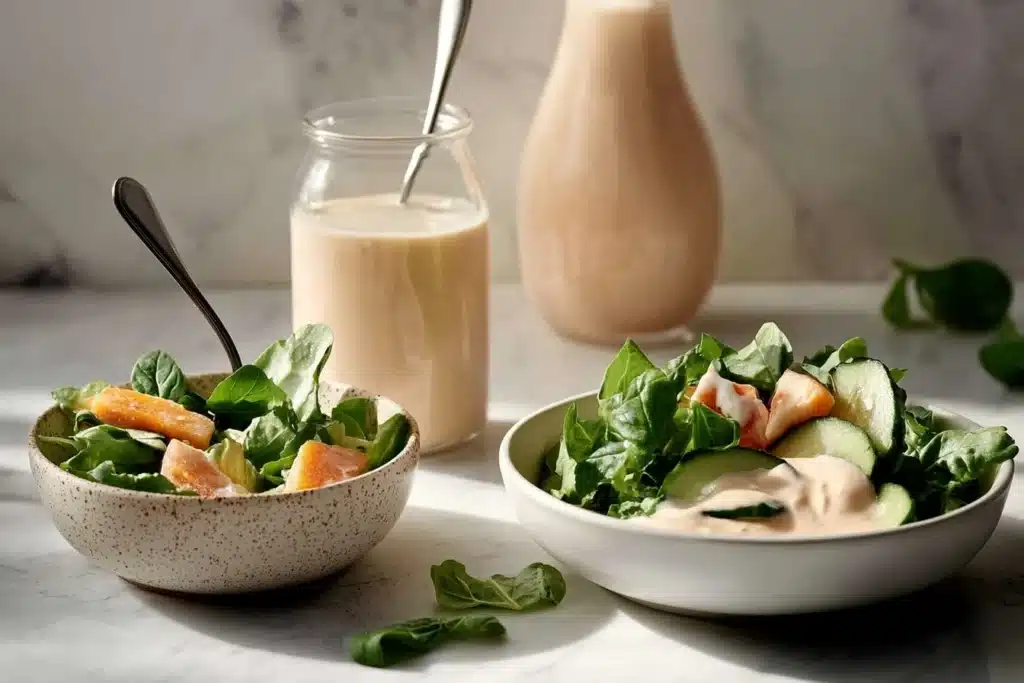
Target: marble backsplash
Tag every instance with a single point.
(845, 132)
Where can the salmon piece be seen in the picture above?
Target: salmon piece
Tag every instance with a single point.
(318, 464)
(189, 468)
(797, 399)
(131, 410)
(740, 402)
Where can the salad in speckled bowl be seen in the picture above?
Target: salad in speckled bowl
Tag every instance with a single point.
(175, 481)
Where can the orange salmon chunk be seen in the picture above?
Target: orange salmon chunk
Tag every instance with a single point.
(189, 468)
(131, 410)
(318, 464)
(797, 399)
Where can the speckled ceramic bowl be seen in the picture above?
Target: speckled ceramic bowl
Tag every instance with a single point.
(229, 545)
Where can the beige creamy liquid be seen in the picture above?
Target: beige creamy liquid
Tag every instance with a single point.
(619, 207)
(405, 291)
(825, 495)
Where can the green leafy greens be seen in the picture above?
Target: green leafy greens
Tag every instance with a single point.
(408, 639)
(264, 412)
(646, 425)
(969, 295)
(538, 585)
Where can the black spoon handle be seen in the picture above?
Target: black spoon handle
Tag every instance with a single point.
(136, 208)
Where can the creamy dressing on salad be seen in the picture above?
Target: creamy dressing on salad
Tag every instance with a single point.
(822, 495)
(731, 403)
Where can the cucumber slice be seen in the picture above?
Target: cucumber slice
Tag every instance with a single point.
(895, 506)
(769, 508)
(829, 436)
(866, 396)
(687, 481)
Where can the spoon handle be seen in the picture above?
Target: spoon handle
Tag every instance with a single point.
(451, 30)
(136, 208)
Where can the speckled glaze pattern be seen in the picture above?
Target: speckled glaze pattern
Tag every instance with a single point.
(229, 545)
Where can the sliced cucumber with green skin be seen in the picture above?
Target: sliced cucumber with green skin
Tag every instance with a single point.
(685, 483)
(765, 510)
(829, 436)
(895, 506)
(866, 396)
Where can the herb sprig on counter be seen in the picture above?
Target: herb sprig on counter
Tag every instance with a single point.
(967, 296)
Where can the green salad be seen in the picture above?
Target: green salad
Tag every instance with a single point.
(670, 433)
(261, 429)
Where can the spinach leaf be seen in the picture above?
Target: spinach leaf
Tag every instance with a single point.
(580, 438)
(643, 412)
(75, 399)
(896, 307)
(636, 508)
(621, 464)
(106, 473)
(83, 420)
(390, 440)
(897, 374)
(359, 415)
(157, 374)
(628, 364)
(920, 428)
(271, 437)
(294, 364)
(194, 402)
(821, 364)
(688, 368)
(399, 642)
(538, 585)
(970, 295)
(1003, 357)
(760, 363)
(245, 394)
(101, 443)
(968, 455)
(709, 430)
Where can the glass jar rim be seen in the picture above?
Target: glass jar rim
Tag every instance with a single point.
(327, 124)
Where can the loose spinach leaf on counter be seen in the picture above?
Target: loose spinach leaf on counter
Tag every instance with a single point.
(75, 399)
(294, 364)
(245, 394)
(969, 295)
(101, 443)
(389, 441)
(403, 641)
(537, 585)
(760, 363)
(1003, 357)
(359, 415)
(157, 374)
(627, 365)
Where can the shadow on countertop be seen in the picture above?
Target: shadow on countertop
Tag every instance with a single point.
(393, 584)
(953, 632)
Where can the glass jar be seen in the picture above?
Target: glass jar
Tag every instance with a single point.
(404, 287)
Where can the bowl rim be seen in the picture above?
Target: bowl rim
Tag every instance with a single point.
(511, 477)
(411, 451)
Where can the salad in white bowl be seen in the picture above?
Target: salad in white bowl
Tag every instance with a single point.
(749, 441)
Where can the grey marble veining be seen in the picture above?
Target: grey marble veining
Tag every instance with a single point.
(845, 132)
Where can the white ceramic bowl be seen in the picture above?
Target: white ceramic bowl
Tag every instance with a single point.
(227, 545)
(736, 575)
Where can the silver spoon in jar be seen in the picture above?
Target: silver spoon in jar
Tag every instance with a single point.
(136, 208)
(450, 32)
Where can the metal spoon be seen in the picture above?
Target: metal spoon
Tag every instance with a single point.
(136, 208)
(450, 32)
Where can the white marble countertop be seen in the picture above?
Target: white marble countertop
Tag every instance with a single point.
(62, 619)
